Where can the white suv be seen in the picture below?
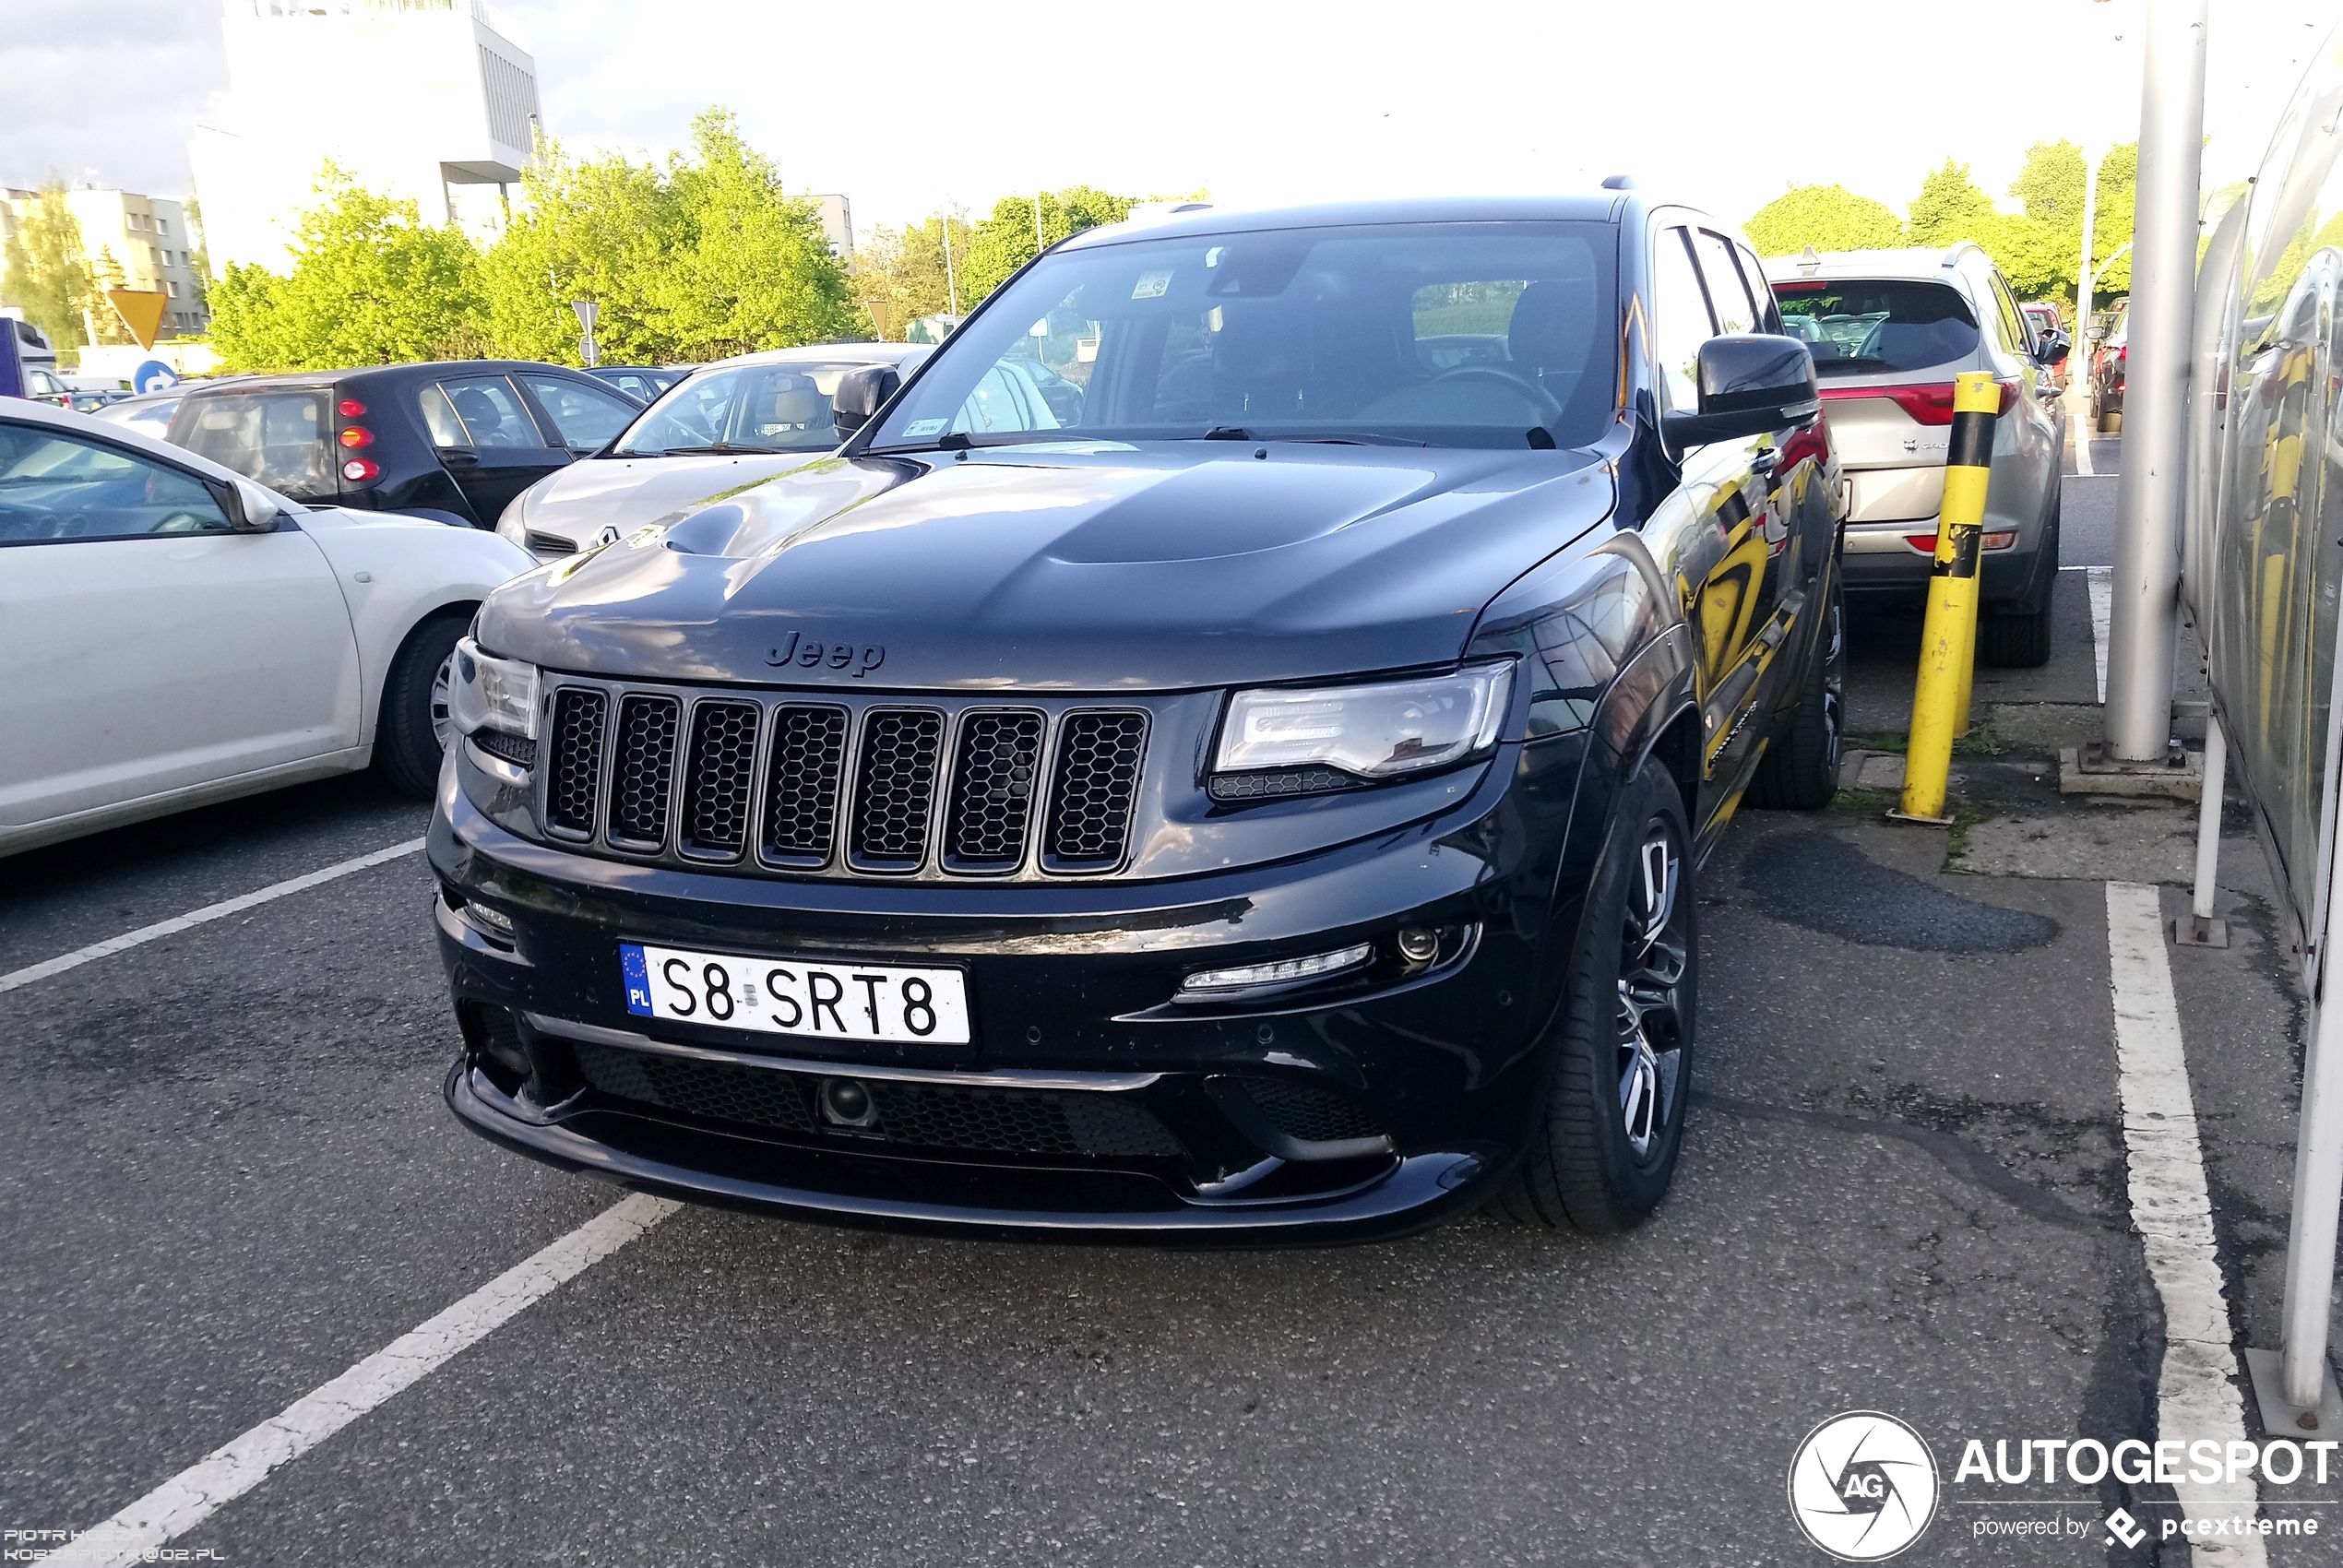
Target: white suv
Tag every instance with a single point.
(1890, 330)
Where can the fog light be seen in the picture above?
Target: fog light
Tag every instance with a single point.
(846, 1103)
(493, 923)
(1280, 972)
(1419, 945)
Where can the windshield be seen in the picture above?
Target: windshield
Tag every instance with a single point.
(1431, 334)
(752, 408)
(1859, 326)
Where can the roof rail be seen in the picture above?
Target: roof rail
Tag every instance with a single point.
(1953, 251)
(1620, 182)
(1193, 207)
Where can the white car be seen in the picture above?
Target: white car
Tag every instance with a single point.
(733, 424)
(173, 634)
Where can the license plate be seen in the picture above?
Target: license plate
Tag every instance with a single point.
(791, 996)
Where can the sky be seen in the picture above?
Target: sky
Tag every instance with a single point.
(914, 106)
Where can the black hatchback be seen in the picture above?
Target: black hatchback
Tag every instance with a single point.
(458, 438)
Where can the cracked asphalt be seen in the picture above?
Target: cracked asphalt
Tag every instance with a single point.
(230, 1177)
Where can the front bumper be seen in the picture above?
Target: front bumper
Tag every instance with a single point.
(1092, 1104)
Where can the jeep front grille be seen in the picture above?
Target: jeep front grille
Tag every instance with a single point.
(859, 787)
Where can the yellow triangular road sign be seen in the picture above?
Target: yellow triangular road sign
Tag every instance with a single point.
(141, 311)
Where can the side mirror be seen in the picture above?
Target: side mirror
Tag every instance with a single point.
(2095, 334)
(1751, 384)
(247, 511)
(2052, 349)
(861, 392)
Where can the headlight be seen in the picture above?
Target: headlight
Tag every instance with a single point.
(509, 526)
(1385, 730)
(485, 692)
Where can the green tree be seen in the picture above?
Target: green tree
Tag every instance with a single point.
(1004, 240)
(371, 284)
(900, 273)
(753, 268)
(602, 229)
(47, 272)
(1829, 218)
(2049, 187)
(1950, 206)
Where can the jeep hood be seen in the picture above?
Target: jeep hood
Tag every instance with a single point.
(1075, 566)
(577, 503)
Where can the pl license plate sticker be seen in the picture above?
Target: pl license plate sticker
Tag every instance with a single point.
(792, 996)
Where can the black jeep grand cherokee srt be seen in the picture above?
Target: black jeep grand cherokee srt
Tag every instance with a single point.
(1222, 754)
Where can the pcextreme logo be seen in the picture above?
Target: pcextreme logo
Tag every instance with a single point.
(1862, 1486)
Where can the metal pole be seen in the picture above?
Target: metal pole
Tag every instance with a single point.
(1040, 244)
(2145, 626)
(2209, 829)
(2078, 386)
(1948, 635)
(2318, 1195)
(951, 283)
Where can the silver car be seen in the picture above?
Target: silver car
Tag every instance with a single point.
(1890, 330)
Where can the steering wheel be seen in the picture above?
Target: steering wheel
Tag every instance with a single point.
(27, 522)
(1546, 405)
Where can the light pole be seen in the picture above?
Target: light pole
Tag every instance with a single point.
(2145, 624)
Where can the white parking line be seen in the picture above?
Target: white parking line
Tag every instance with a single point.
(2172, 1211)
(2083, 455)
(178, 923)
(2101, 583)
(227, 1472)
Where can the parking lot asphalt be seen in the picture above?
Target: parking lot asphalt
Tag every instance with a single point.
(232, 1178)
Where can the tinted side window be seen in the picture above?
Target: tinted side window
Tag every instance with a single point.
(490, 410)
(1768, 318)
(278, 438)
(587, 418)
(55, 488)
(1681, 323)
(1736, 311)
(2016, 336)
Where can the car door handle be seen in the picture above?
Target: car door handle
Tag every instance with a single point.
(460, 459)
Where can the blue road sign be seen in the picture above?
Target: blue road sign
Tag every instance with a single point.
(153, 377)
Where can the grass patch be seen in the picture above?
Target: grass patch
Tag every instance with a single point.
(1967, 814)
(1872, 803)
(1982, 741)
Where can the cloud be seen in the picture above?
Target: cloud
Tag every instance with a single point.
(106, 90)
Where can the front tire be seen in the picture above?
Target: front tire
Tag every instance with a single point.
(1607, 1141)
(413, 730)
(1801, 769)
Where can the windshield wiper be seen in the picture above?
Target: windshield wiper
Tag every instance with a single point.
(1331, 438)
(715, 449)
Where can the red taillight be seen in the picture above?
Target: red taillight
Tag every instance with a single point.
(357, 435)
(1926, 542)
(2123, 352)
(358, 471)
(1929, 402)
(350, 408)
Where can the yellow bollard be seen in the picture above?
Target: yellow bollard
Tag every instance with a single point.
(1948, 641)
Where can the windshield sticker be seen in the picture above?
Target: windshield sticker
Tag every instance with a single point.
(918, 428)
(1151, 286)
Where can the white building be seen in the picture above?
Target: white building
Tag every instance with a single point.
(430, 101)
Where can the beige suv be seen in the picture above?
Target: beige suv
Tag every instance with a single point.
(1890, 330)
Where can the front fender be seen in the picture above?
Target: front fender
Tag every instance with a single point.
(395, 571)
